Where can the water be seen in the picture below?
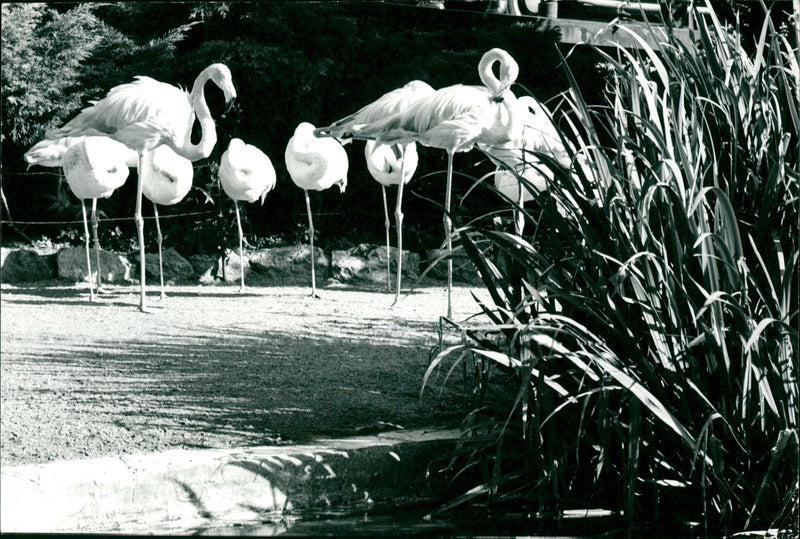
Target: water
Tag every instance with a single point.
(412, 522)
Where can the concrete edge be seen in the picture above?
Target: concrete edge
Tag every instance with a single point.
(182, 489)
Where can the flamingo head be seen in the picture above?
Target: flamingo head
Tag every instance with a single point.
(220, 74)
(508, 72)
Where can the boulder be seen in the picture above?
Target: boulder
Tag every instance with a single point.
(205, 268)
(21, 265)
(176, 268)
(367, 262)
(287, 265)
(233, 267)
(464, 270)
(71, 262)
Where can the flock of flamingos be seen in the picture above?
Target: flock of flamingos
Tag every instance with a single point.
(148, 124)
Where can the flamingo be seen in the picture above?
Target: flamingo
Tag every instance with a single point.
(94, 168)
(246, 173)
(455, 119)
(390, 169)
(386, 168)
(316, 164)
(166, 180)
(145, 114)
(389, 103)
(538, 135)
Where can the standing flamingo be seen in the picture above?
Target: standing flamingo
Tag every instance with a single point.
(538, 135)
(145, 114)
(454, 119)
(246, 173)
(317, 164)
(94, 168)
(166, 180)
(390, 169)
(385, 165)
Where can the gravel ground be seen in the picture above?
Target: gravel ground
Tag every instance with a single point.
(213, 368)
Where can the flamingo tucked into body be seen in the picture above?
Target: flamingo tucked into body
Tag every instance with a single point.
(455, 119)
(538, 135)
(315, 164)
(390, 169)
(145, 114)
(379, 160)
(245, 173)
(94, 168)
(166, 180)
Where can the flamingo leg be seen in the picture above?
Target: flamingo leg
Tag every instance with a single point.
(160, 239)
(519, 222)
(398, 221)
(311, 239)
(448, 229)
(137, 217)
(88, 257)
(96, 245)
(241, 256)
(388, 249)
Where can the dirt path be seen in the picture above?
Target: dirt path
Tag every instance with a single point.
(213, 368)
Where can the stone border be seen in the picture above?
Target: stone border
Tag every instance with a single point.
(182, 489)
(283, 266)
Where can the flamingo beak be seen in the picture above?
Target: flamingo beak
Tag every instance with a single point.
(229, 105)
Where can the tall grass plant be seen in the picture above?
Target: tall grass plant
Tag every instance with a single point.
(642, 350)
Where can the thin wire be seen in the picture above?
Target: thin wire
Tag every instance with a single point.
(104, 220)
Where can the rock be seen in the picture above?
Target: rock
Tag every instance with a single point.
(21, 265)
(72, 265)
(367, 262)
(176, 268)
(464, 270)
(233, 267)
(287, 265)
(205, 267)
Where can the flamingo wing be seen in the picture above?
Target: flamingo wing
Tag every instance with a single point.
(51, 152)
(390, 103)
(139, 101)
(451, 119)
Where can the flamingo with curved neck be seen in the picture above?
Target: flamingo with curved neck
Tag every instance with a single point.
(145, 114)
(455, 119)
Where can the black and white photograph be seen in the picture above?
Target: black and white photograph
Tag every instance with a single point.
(441, 268)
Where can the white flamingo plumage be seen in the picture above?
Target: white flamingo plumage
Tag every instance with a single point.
(166, 180)
(388, 168)
(385, 163)
(145, 114)
(315, 164)
(538, 135)
(94, 168)
(389, 103)
(454, 119)
(246, 174)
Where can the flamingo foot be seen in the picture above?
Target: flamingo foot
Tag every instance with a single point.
(242, 289)
(315, 295)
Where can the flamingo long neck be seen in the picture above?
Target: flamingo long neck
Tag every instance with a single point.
(509, 70)
(208, 129)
